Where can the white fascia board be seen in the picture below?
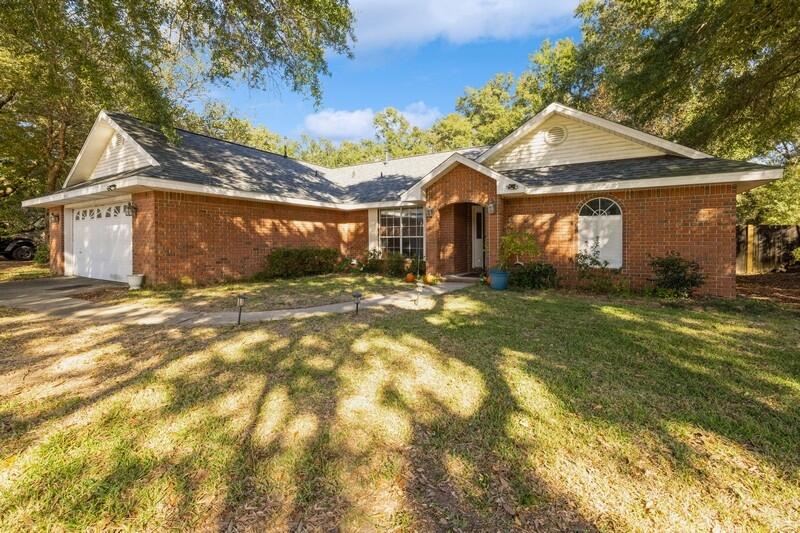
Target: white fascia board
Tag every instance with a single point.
(144, 183)
(556, 108)
(414, 194)
(654, 183)
(103, 117)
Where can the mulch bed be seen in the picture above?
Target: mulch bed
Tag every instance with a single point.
(781, 287)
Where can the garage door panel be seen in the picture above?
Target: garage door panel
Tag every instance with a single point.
(102, 238)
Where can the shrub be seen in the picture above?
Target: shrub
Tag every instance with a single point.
(515, 245)
(301, 261)
(373, 263)
(533, 276)
(675, 276)
(42, 255)
(395, 265)
(416, 266)
(796, 254)
(348, 264)
(595, 275)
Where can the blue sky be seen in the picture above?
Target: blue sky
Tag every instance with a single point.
(415, 55)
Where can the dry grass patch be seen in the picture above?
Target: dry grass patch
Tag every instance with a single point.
(261, 295)
(489, 412)
(18, 270)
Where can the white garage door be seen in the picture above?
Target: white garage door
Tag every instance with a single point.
(102, 244)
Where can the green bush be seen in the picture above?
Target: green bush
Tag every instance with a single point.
(517, 246)
(301, 261)
(348, 264)
(533, 276)
(416, 266)
(675, 277)
(796, 254)
(373, 263)
(42, 255)
(595, 275)
(395, 265)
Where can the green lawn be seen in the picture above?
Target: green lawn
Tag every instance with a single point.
(17, 270)
(492, 411)
(261, 296)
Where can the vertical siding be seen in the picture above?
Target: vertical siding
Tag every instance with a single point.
(584, 143)
(120, 155)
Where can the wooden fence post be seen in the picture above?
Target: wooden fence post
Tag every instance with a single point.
(751, 249)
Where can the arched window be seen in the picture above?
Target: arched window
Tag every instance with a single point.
(600, 227)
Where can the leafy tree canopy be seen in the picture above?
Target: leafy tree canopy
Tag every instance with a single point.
(62, 61)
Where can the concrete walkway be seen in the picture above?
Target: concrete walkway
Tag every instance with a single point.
(53, 297)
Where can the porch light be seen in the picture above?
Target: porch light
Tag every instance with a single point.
(53, 218)
(428, 212)
(357, 299)
(240, 299)
(130, 209)
(490, 208)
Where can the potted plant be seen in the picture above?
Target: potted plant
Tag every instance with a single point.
(513, 245)
(135, 282)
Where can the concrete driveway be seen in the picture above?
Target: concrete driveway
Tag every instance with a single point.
(55, 297)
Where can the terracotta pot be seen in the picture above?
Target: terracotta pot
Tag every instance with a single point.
(410, 278)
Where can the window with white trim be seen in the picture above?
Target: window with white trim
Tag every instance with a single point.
(401, 230)
(600, 228)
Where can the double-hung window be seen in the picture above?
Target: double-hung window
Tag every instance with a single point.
(401, 231)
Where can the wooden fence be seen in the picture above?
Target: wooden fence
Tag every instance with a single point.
(764, 248)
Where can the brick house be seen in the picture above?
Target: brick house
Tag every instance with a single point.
(202, 209)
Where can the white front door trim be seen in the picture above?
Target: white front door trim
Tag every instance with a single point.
(478, 236)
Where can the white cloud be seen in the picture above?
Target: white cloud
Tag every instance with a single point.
(340, 124)
(337, 124)
(420, 115)
(388, 23)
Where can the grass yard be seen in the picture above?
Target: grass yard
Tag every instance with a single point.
(17, 270)
(492, 411)
(261, 296)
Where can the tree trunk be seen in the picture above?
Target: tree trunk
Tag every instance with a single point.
(58, 143)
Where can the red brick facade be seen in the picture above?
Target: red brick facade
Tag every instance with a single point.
(191, 238)
(697, 222)
(55, 239)
(201, 239)
(448, 229)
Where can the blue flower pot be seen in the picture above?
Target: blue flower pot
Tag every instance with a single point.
(498, 279)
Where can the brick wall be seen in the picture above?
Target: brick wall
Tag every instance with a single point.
(200, 239)
(698, 222)
(445, 250)
(455, 238)
(55, 240)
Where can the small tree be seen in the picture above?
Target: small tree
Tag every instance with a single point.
(516, 244)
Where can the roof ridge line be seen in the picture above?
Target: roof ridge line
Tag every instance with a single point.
(454, 150)
(148, 123)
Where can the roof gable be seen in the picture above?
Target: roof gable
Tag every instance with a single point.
(526, 147)
(108, 150)
(580, 143)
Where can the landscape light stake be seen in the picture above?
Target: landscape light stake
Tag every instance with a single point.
(240, 303)
(357, 298)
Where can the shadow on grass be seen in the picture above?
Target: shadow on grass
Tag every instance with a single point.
(412, 420)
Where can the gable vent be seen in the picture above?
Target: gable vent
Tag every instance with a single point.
(555, 135)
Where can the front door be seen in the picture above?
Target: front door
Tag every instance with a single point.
(478, 227)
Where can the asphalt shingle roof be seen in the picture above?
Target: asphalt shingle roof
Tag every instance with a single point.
(627, 169)
(205, 160)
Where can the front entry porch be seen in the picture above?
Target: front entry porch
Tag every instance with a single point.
(462, 239)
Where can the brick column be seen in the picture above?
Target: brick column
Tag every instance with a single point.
(55, 239)
(145, 257)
